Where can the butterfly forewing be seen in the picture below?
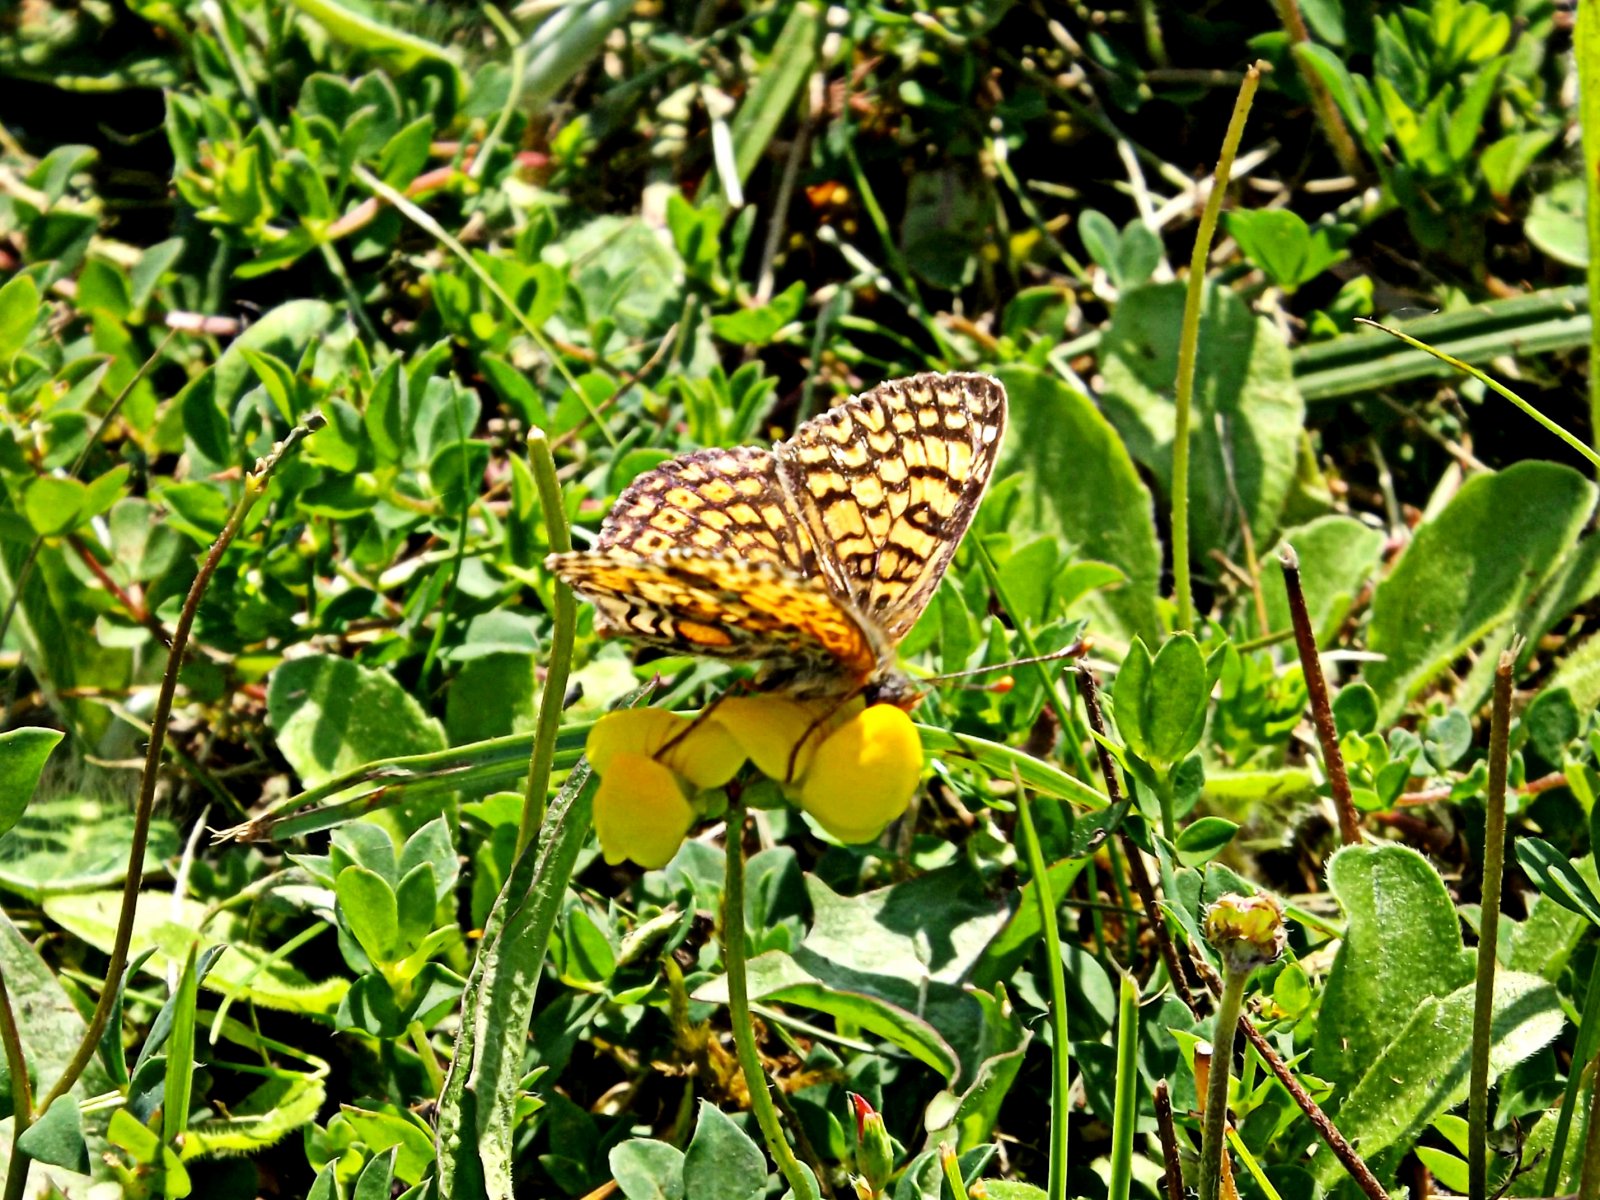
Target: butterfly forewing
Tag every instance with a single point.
(712, 502)
(888, 482)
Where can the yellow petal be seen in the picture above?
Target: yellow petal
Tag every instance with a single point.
(708, 756)
(770, 727)
(631, 731)
(863, 776)
(640, 811)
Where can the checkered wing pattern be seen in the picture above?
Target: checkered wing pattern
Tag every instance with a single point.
(887, 484)
(816, 556)
(721, 606)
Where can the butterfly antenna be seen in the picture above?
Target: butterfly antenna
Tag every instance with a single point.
(1076, 650)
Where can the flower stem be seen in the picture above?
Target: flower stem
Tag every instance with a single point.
(565, 620)
(1494, 855)
(1317, 690)
(1169, 821)
(1188, 346)
(21, 1095)
(1060, 1079)
(255, 486)
(733, 953)
(1225, 1024)
(1126, 1113)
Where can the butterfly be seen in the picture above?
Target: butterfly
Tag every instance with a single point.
(816, 556)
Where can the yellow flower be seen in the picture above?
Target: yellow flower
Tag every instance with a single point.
(771, 729)
(704, 753)
(864, 774)
(853, 768)
(640, 811)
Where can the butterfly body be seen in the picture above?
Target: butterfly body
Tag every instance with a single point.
(815, 557)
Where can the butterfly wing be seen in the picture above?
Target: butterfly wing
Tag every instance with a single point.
(725, 607)
(887, 484)
(712, 503)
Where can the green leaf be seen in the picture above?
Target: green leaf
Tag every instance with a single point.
(1247, 419)
(170, 926)
(179, 1084)
(355, 28)
(1556, 878)
(56, 1138)
(23, 753)
(19, 309)
(1128, 698)
(1552, 722)
(769, 99)
(758, 326)
(478, 1103)
(368, 908)
(1202, 840)
(1000, 1189)
(1467, 570)
(722, 1161)
(646, 1169)
(1402, 946)
(776, 976)
(55, 505)
(1355, 709)
(405, 1135)
(1276, 240)
(415, 902)
(1080, 486)
(331, 715)
(1175, 699)
(1424, 1071)
(376, 1181)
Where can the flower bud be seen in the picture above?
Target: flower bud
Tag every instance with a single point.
(874, 1150)
(1246, 930)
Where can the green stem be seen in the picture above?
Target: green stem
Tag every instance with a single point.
(950, 1164)
(255, 485)
(565, 620)
(1583, 1053)
(1225, 1025)
(1169, 821)
(1125, 1115)
(1060, 1077)
(430, 1060)
(21, 1095)
(1587, 53)
(1589, 1181)
(755, 1078)
(1188, 346)
(1493, 385)
(1494, 854)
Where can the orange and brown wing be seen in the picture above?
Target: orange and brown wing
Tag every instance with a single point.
(711, 503)
(888, 482)
(724, 607)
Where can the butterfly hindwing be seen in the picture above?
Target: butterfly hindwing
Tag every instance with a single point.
(722, 607)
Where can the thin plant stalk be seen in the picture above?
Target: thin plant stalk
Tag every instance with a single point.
(21, 1094)
(1171, 1164)
(1060, 1079)
(1583, 1054)
(1225, 1025)
(565, 621)
(1586, 51)
(255, 486)
(1589, 1180)
(1322, 102)
(1189, 343)
(1494, 862)
(734, 952)
(950, 1164)
(1317, 690)
(1125, 1114)
(1494, 385)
